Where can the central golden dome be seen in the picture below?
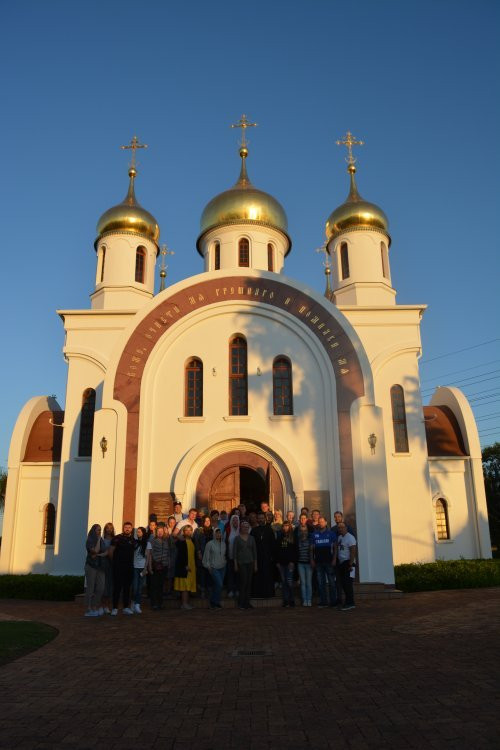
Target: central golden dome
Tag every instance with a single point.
(244, 204)
(356, 213)
(129, 217)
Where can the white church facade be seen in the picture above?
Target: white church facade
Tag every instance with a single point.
(240, 384)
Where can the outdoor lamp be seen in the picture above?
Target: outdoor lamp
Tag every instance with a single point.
(372, 440)
(104, 446)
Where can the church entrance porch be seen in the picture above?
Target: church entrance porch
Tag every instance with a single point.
(239, 477)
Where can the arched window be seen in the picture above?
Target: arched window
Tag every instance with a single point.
(140, 264)
(399, 419)
(270, 257)
(442, 524)
(49, 524)
(217, 256)
(244, 252)
(383, 256)
(282, 386)
(86, 423)
(344, 260)
(103, 261)
(193, 388)
(238, 376)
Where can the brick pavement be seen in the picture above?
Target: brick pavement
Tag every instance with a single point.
(416, 672)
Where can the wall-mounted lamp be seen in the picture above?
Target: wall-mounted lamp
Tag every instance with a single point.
(259, 371)
(214, 372)
(372, 440)
(104, 446)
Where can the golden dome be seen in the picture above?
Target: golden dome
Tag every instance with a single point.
(244, 204)
(356, 213)
(129, 217)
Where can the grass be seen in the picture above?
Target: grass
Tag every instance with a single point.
(447, 574)
(40, 586)
(18, 638)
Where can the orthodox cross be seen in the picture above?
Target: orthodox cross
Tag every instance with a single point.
(349, 140)
(323, 249)
(163, 268)
(244, 124)
(134, 145)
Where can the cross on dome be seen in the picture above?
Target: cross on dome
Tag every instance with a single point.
(244, 124)
(349, 140)
(134, 145)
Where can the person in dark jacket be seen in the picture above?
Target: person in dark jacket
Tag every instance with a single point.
(286, 556)
(122, 554)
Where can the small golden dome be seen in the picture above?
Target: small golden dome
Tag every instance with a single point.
(356, 213)
(244, 204)
(129, 217)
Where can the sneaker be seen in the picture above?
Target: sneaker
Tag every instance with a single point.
(91, 613)
(107, 611)
(100, 611)
(347, 607)
(114, 611)
(127, 611)
(186, 606)
(309, 604)
(230, 595)
(285, 604)
(137, 609)
(322, 606)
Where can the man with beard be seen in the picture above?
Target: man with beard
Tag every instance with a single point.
(263, 580)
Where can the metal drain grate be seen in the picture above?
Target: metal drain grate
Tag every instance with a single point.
(244, 652)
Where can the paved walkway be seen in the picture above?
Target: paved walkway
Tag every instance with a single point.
(417, 672)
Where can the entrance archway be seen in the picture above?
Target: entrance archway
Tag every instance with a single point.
(239, 477)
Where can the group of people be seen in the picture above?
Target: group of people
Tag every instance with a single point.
(252, 554)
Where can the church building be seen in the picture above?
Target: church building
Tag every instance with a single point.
(240, 384)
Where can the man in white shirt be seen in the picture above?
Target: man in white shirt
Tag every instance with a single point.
(189, 521)
(346, 560)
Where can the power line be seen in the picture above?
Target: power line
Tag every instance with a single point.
(458, 351)
(489, 416)
(463, 383)
(464, 369)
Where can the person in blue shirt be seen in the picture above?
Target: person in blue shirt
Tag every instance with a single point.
(323, 561)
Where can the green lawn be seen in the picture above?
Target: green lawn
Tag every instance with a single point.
(18, 638)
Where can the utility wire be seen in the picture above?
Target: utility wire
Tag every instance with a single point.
(464, 369)
(458, 351)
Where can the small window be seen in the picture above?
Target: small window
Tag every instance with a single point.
(344, 260)
(238, 376)
(383, 255)
(140, 264)
(270, 257)
(244, 252)
(86, 423)
(399, 419)
(103, 261)
(193, 388)
(282, 386)
(49, 524)
(442, 524)
(217, 256)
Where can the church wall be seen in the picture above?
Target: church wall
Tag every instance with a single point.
(206, 335)
(38, 485)
(450, 481)
(258, 236)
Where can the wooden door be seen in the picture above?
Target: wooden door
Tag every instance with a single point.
(225, 491)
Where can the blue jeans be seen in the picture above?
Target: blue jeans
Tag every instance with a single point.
(137, 582)
(286, 573)
(217, 575)
(305, 575)
(326, 573)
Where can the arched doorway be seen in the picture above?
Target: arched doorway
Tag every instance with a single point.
(239, 477)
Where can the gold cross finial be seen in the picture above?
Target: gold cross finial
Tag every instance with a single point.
(349, 140)
(163, 268)
(244, 124)
(324, 249)
(134, 145)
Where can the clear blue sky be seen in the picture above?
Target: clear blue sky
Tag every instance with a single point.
(416, 80)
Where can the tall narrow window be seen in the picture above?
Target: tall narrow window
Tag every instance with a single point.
(270, 257)
(49, 524)
(238, 376)
(103, 261)
(399, 419)
(244, 252)
(383, 256)
(217, 256)
(442, 524)
(140, 264)
(344, 260)
(282, 386)
(193, 388)
(86, 423)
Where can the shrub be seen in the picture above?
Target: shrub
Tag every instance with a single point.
(447, 574)
(39, 586)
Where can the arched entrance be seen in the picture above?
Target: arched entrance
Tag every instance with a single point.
(239, 477)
